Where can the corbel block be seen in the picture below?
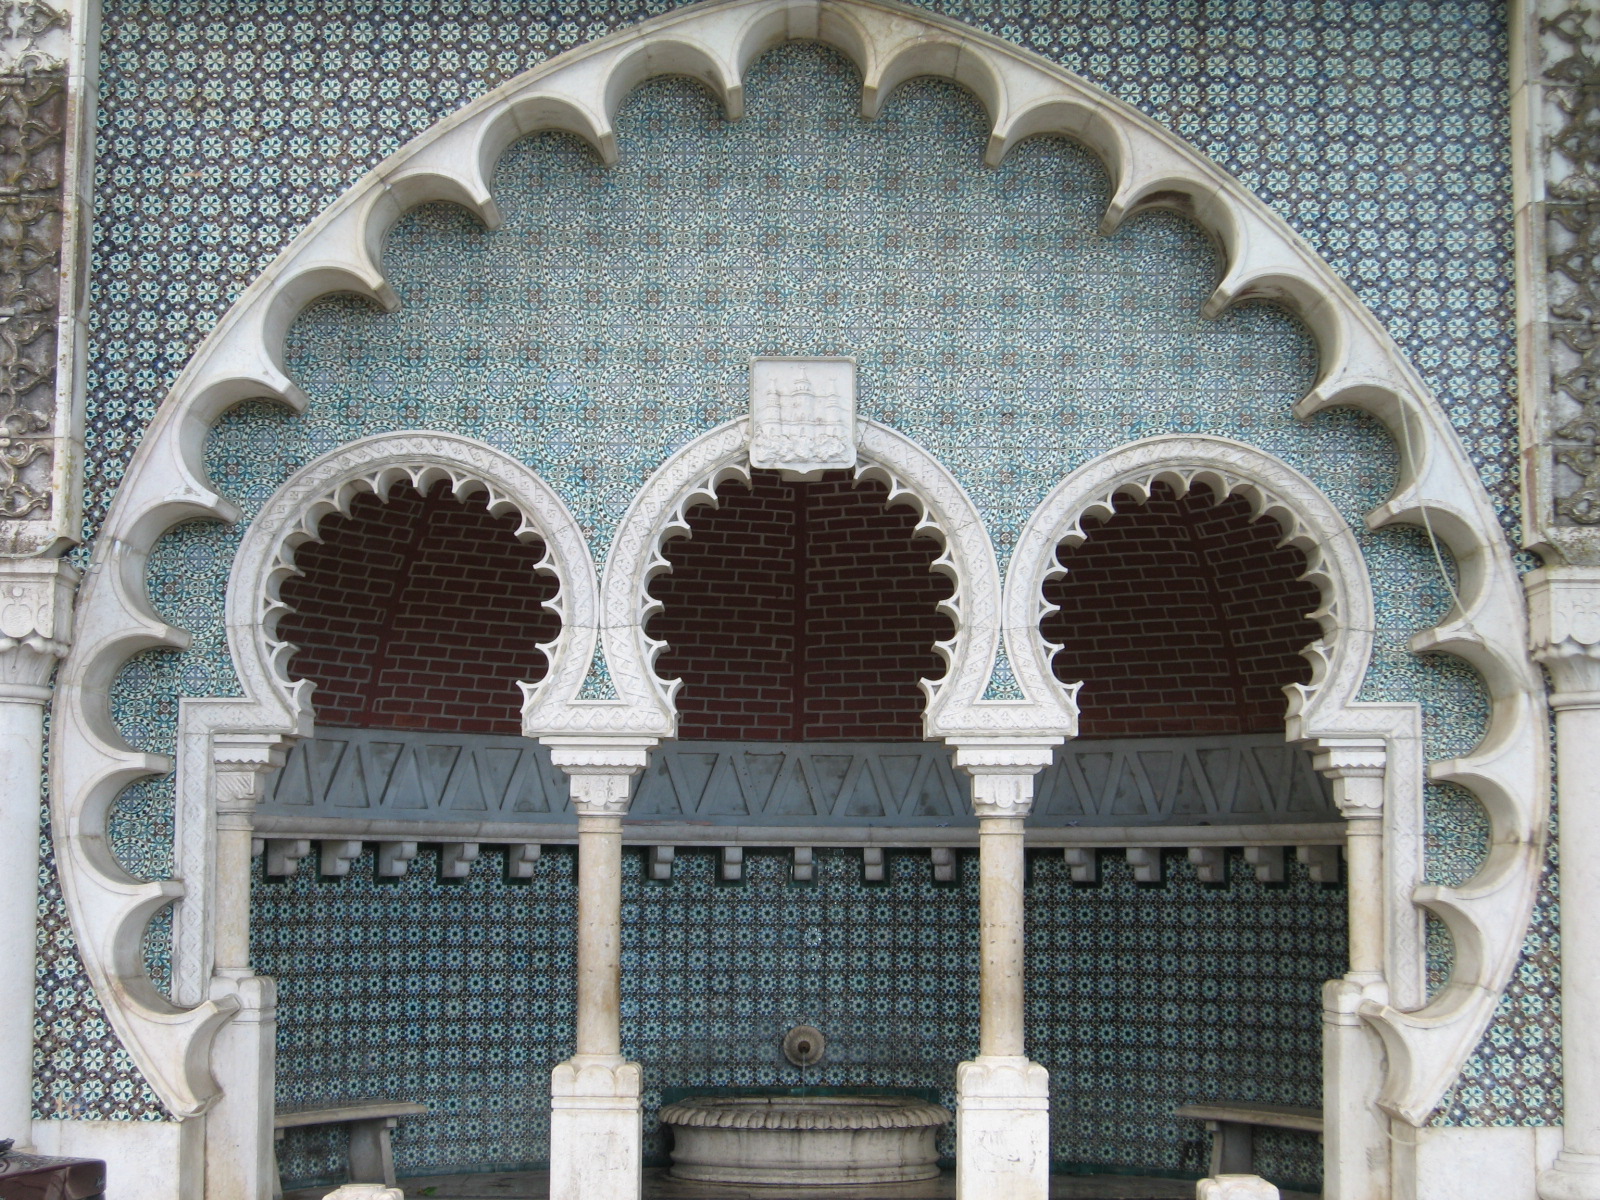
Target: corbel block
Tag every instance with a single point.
(1268, 862)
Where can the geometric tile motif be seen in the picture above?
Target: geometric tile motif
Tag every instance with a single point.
(460, 995)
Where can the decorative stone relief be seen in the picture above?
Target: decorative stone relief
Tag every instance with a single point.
(33, 113)
(803, 415)
(1573, 215)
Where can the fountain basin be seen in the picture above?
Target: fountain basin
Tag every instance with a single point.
(809, 1141)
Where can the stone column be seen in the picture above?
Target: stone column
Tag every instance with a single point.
(1002, 1099)
(1564, 607)
(596, 1130)
(35, 626)
(1356, 1145)
(240, 1158)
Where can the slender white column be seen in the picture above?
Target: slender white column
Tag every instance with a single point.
(239, 1159)
(596, 1121)
(1356, 1147)
(1002, 1099)
(1564, 606)
(35, 626)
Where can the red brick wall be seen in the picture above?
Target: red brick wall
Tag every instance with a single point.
(1181, 617)
(801, 612)
(422, 613)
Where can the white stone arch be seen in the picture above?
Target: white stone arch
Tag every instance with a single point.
(1426, 1042)
(578, 92)
(644, 703)
(275, 709)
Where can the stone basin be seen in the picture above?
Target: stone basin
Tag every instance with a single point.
(804, 1141)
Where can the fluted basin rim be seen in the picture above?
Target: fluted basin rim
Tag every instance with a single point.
(804, 1112)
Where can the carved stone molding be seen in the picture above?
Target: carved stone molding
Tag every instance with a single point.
(35, 623)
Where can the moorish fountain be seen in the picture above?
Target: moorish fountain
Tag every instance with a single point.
(804, 1141)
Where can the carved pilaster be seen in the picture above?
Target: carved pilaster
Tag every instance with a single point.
(1556, 154)
(41, 124)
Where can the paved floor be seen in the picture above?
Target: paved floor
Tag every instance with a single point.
(535, 1185)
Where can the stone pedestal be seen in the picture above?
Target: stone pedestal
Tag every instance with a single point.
(596, 1129)
(1235, 1187)
(1002, 1129)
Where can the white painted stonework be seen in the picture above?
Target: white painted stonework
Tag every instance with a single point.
(803, 415)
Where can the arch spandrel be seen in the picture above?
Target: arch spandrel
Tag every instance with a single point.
(1023, 96)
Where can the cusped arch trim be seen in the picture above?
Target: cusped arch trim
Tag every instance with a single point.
(1487, 915)
(643, 704)
(578, 92)
(375, 465)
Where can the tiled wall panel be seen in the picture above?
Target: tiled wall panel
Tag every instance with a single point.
(460, 995)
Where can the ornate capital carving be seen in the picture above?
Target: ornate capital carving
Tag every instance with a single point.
(35, 623)
(1564, 631)
(601, 769)
(1002, 772)
(1356, 766)
(242, 762)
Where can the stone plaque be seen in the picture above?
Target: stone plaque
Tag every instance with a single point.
(803, 415)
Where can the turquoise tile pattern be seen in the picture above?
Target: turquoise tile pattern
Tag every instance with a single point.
(460, 995)
(226, 126)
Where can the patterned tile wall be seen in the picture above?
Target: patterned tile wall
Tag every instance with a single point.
(1334, 112)
(460, 996)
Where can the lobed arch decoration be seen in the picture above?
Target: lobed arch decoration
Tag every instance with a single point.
(578, 93)
(955, 705)
(1425, 1041)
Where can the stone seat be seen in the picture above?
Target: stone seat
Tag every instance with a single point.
(1233, 1124)
(370, 1158)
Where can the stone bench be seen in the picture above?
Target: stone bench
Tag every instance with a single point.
(1233, 1127)
(370, 1159)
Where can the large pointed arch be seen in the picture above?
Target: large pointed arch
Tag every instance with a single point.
(579, 93)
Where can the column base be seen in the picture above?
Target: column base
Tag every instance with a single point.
(1002, 1129)
(1571, 1177)
(596, 1129)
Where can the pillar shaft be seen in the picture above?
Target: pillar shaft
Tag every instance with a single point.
(599, 934)
(1001, 868)
(1577, 1173)
(21, 751)
(1565, 635)
(1002, 1099)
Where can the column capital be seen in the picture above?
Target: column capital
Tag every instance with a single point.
(1356, 768)
(242, 762)
(1564, 631)
(600, 769)
(1002, 771)
(35, 624)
